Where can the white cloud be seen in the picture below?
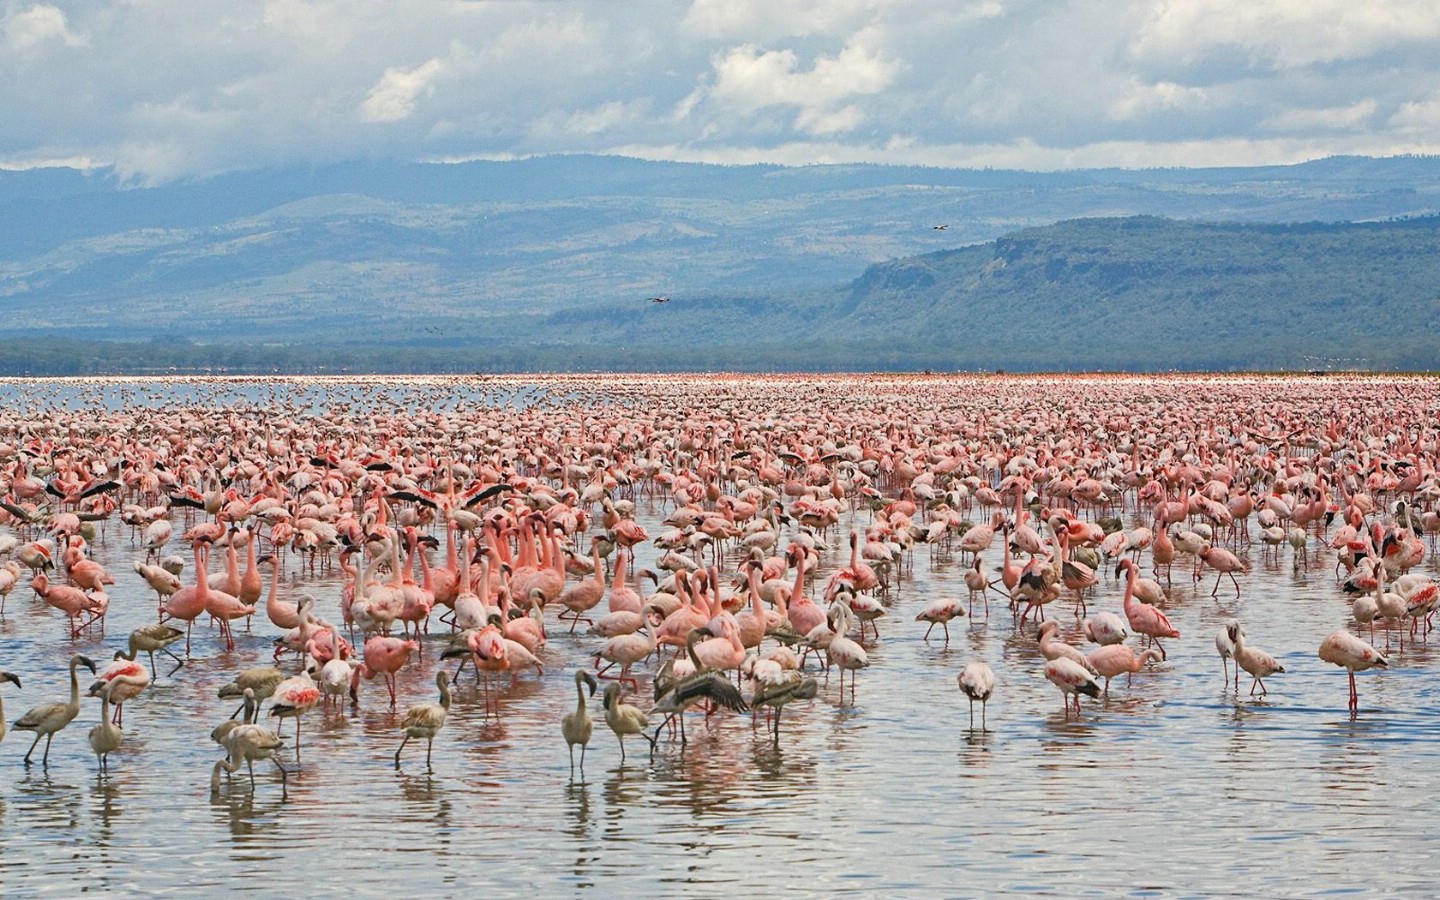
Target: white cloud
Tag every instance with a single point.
(1339, 118)
(1284, 33)
(600, 118)
(1141, 99)
(1418, 117)
(174, 88)
(37, 25)
(749, 80)
(393, 97)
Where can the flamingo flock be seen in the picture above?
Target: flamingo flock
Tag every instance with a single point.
(726, 543)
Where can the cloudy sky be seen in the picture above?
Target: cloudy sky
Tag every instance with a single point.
(166, 89)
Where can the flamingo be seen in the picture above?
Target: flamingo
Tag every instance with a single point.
(1224, 563)
(1072, 679)
(247, 743)
(260, 682)
(292, 697)
(977, 583)
(584, 595)
(72, 601)
(939, 612)
(1113, 659)
(702, 684)
(843, 651)
(577, 725)
(1104, 628)
(624, 719)
(781, 687)
(164, 583)
(977, 682)
(281, 613)
(1343, 649)
(188, 603)
(383, 656)
(121, 680)
(1052, 648)
(337, 672)
(424, 720)
(9, 578)
(106, 736)
(1255, 661)
(1144, 619)
(487, 648)
(50, 718)
(1225, 646)
(628, 649)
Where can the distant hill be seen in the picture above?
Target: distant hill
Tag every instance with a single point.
(548, 263)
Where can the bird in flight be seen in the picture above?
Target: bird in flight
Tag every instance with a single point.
(659, 299)
(939, 227)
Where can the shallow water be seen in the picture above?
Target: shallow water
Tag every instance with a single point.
(1171, 786)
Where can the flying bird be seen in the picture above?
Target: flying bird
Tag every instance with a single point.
(659, 299)
(939, 227)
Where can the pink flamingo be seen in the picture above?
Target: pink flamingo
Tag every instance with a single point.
(281, 613)
(1224, 563)
(1144, 619)
(72, 601)
(226, 607)
(292, 697)
(581, 597)
(487, 648)
(1073, 680)
(1344, 649)
(123, 679)
(89, 575)
(383, 656)
(1113, 659)
(805, 616)
(188, 603)
(623, 598)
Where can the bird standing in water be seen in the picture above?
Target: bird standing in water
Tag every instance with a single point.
(577, 726)
(977, 681)
(424, 720)
(624, 719)
(106, 736)
(52, 717)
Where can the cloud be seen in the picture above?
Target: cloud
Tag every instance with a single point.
(1141, 99)
(1420, 117)
(750, 80)
(1284, 33)
(1338, 118)
(768, 20)
(393, 98)
(167, 89)
(37, 25)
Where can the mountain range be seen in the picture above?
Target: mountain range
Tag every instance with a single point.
(552, 263)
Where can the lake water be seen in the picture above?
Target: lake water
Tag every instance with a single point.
(1173, 786)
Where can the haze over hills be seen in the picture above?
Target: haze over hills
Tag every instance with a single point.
(548, 263)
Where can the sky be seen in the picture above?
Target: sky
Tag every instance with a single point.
(162, 90)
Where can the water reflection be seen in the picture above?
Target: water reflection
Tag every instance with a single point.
(249, 816)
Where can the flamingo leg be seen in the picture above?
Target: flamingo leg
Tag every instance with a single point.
(33, 744)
